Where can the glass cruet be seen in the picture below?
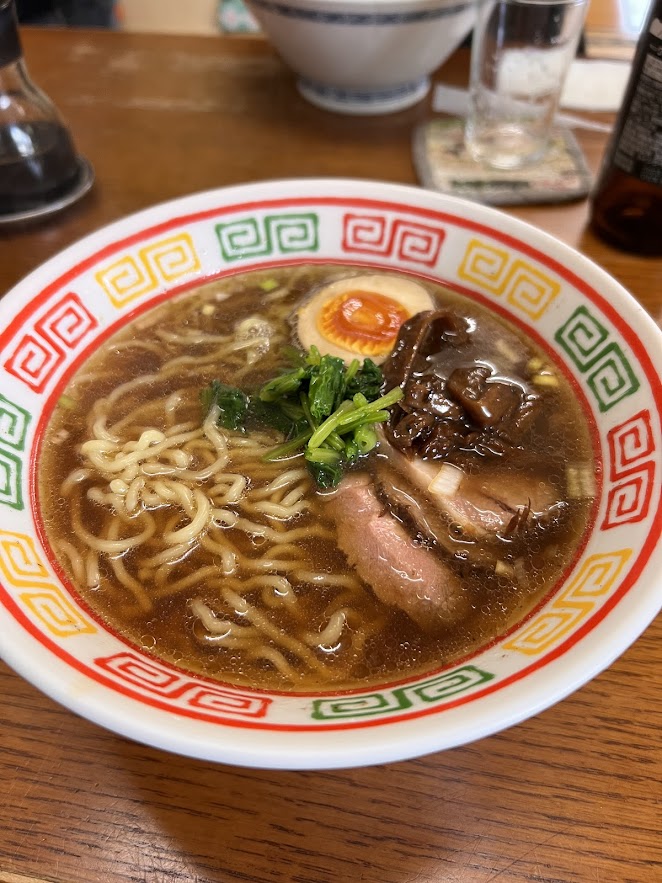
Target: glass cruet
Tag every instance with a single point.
(38, 161)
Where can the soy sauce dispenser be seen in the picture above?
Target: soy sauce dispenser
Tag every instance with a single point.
(38, 163)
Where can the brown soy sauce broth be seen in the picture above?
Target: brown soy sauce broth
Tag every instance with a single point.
(394, 646)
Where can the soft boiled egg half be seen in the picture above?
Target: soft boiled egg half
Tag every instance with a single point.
(360, 316)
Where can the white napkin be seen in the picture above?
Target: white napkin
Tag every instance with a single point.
(595, 85)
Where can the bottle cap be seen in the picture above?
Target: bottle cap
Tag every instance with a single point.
(10, 42)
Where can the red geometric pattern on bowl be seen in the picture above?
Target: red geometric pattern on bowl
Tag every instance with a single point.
(40, 350)
(400, 238)
(168, 684)
(632, 469)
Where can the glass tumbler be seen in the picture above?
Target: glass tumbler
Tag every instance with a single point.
(520, 55)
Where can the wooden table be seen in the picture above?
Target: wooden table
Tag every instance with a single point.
(571, 795)
(612, 27)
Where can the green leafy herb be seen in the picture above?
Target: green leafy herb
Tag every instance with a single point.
(231, 402)
(367, 380)
(282, 386)
(325, 408)
(326, 386)
(325, 466)
(286, 417)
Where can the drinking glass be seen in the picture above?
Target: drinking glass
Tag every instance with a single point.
(520, 55)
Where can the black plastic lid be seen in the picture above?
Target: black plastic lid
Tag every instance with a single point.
(10, 42)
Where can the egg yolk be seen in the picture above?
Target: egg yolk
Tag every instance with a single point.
(362, 321)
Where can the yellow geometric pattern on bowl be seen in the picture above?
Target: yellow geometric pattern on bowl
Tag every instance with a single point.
(495, 270)
(56, 613)
(23, 567)
(19, 561)
(160, 263)
(576, 602)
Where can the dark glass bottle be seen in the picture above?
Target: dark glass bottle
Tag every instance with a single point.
(38, 163)
(627, 201)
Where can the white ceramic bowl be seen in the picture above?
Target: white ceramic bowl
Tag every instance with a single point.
(591, 328)
(364, 56)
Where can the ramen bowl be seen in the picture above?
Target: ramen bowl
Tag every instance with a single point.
(590, 328)
(358, 57)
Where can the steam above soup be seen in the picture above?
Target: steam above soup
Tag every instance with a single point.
(462, 482)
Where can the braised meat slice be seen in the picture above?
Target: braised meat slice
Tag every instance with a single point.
(399, 571)
(428, 522)
(483, 503)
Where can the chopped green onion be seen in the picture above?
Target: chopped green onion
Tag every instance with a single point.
(365, 439)
(67, 402)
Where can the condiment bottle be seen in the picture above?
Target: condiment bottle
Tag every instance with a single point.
(38, 163)
(627, 201)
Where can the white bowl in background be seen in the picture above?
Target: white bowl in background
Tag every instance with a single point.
(362, 56)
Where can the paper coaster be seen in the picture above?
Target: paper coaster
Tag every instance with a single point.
(442, 163)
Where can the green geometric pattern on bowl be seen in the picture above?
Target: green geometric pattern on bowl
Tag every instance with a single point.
(14, 422)
(386, 702)
(269, 235)
(607, 372)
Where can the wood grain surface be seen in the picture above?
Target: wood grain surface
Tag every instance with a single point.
(570, 796)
